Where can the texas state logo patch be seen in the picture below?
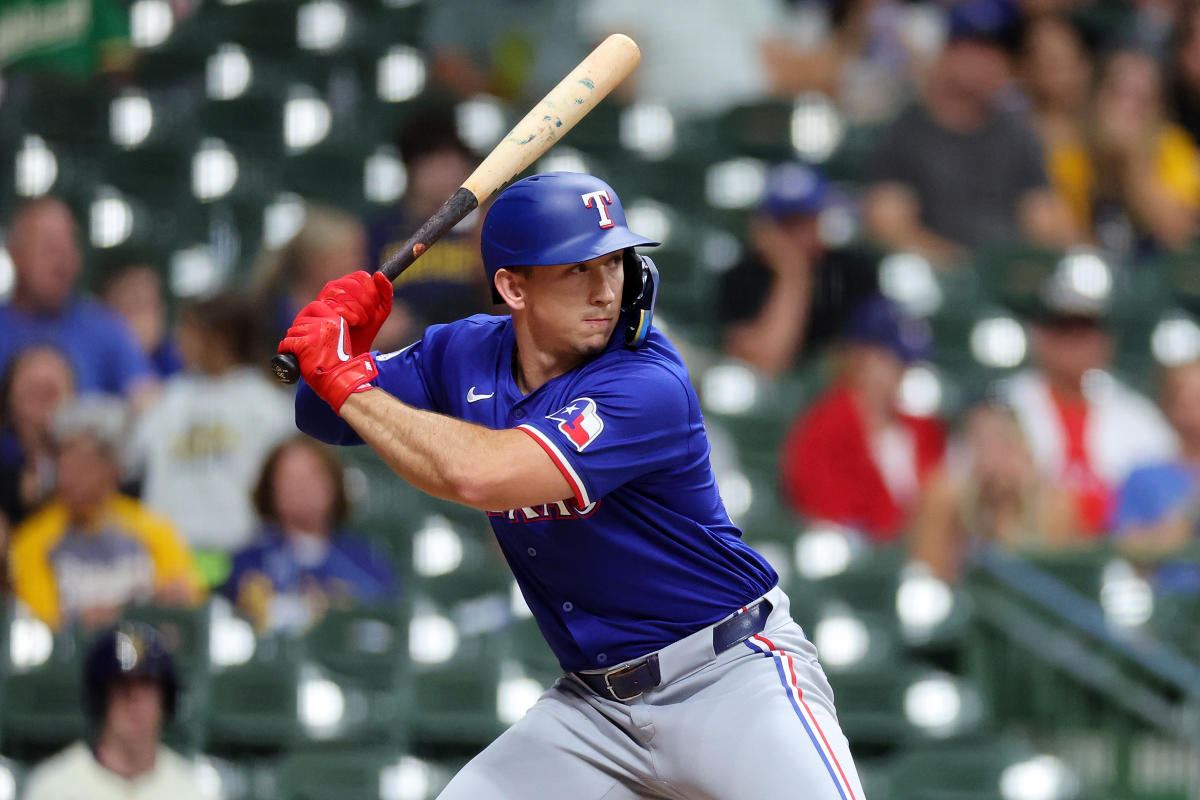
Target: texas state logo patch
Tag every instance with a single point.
(579, 422)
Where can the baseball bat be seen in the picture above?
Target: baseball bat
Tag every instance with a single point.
(547, 122)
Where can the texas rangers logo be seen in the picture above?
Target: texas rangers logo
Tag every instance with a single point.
(601, 200)
(579, 422)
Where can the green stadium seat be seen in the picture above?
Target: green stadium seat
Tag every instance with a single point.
(903, 702)
(1012, 274)
(761, 130)
(456, 701)
(42, 709)
(357, 774)
(254, 706)
(369, 644)
(961, 771)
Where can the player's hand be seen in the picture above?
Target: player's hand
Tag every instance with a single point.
(364, 301)
(319, 338)
(779, 251)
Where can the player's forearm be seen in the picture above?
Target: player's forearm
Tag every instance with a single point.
(449, 458)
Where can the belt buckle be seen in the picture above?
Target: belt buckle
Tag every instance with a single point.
(621, 671)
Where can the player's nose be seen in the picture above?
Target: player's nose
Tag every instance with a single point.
(604, 288)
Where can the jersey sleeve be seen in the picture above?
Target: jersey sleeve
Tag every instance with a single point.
(1149, 495)
(622, 424)
(401, 374)
(29, 563)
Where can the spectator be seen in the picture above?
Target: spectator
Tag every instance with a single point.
(1143, 180)
(988, 490)
(790, 294)
(201, 446)
(303, 562)
(884, 47)
(330, 244)
(91, 550)
(1087, 430)
(36, 383)
(1184, 72)
(678, 38)
(135, 292)
(1157, 510)
(1056, 74)
(130, 692)
(853, 458)
(446, 283)
(513, 49)
(45, 309)
(954, 171)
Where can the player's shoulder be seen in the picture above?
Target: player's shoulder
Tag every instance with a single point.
(464, 336)
(654, 368)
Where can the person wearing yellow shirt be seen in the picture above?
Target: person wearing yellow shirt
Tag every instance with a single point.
(91, 550)
(1134, 176)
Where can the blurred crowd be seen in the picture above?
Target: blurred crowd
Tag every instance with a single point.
(145, 455)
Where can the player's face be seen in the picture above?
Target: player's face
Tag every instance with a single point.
(573, 308)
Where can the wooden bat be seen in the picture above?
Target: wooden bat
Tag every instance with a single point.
(548, 121)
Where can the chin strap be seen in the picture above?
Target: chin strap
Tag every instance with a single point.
(641, 309)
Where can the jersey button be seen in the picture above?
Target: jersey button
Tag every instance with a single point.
(519, 413)
(568, 606)
(532, 552)
(601, 658)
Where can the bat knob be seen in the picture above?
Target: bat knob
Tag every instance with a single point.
(286, 367)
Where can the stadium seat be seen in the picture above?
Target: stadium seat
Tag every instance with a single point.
(368, 644)
(761, 130)
(905, 702)
(1012, 274)
(42, 706)
(455, 701)
(358, 774)
(254, 706)
(962, 771)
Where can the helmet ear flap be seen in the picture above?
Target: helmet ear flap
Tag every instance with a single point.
(639, 295)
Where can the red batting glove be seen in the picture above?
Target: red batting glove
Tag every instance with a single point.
(318, 339)
(364, 301)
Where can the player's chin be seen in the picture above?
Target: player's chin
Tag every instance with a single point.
(593, 344)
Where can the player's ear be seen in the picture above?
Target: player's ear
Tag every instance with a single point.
(510, 285)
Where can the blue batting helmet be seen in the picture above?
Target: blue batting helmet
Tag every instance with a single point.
(130, 650)
(566, 218)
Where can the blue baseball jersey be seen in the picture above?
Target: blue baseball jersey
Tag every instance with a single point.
(644, 553)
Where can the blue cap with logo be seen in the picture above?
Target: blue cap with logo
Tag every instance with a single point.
(879, 321)
(794, 188)
(984, 20)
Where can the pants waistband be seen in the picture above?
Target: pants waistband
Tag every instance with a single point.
(626, 681)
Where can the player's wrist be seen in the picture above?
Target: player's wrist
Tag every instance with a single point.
(334, 385)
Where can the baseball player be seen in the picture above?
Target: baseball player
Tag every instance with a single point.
(574, 425)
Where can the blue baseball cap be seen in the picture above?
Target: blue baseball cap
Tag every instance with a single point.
(794, 188)
(879, 321)
(993, 21)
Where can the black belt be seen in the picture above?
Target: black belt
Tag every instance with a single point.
(630, 681)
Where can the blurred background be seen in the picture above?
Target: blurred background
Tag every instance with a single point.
(933, 264)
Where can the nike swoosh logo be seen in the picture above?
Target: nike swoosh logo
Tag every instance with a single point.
(341, 346)
(475, 398)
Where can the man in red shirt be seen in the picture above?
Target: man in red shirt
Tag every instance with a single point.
(853, 458)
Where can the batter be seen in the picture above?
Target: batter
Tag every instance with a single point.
(574, 425)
